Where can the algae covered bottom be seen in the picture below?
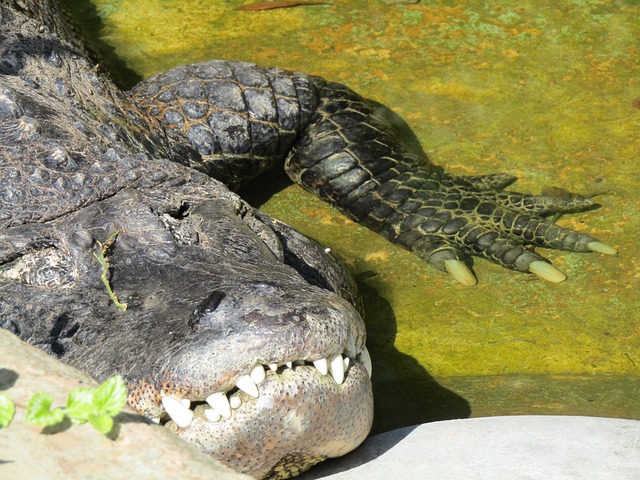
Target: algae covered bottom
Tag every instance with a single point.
(544, 90)
(257, 301)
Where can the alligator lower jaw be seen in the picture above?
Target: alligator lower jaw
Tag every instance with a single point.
(300, 417)
(181, 410)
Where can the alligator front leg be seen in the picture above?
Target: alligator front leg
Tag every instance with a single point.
(235, 120)
(355, 158)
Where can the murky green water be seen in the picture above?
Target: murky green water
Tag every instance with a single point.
(548, 90)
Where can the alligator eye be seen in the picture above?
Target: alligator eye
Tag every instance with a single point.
(206, 308)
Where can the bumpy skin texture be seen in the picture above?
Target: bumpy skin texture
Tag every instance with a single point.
(215, 289)
(241, 119)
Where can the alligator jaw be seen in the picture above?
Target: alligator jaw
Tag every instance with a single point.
(288, 428)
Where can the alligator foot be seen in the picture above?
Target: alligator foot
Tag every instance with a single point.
(475, 216)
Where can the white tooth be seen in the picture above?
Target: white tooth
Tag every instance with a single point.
(180, 414)
(273, 366)
(365, 358)
(248, 386)
(346, 363)
(258, 374)
(289, 364)
(235, 402)
(351, 348)
(212, 415)
(322, 365)
(186, 402)
(156, 420)
(220, 403)
(336, 368)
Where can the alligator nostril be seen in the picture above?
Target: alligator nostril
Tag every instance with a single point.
(208, 306)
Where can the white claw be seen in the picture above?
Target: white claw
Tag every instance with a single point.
(180, 414)
(220, 403)
(248, 386)
(365, 358)
(235, 402)
(273, 366)
(322, 365)
(459, 270)
(546, 271)
(258, 374)
(600, 247)
(336, 368)
(212, 415)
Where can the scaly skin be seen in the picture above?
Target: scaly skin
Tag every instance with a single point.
(236, 120)
(215, 290)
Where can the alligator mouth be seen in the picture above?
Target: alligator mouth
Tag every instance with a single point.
(219, 406)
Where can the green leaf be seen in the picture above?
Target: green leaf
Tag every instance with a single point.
(39, 411)
(80, 404)
(110, 397)
(7, 409)
(102, 423)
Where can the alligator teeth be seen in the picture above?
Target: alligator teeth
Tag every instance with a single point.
(186, 402)
(248, 386)
(156, 420)
(220, 403)
(273, 366)
(289, 364)
(322, 365)
(235, 402)
(346, 363)
(257, 374)
(212, 415)
(351, 348)
(180, 414)
(365, 358)
(336, 368)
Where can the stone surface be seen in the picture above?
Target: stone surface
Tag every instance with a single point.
(140, 449)
(497, 448)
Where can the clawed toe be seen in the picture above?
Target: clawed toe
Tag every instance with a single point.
(546, 271)
(601, 247)
(459, 270)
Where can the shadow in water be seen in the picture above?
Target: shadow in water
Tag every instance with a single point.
(261, 189)
(405, 394)
(86, 16)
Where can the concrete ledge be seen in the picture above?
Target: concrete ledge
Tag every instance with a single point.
(141, 449)
(497, 448)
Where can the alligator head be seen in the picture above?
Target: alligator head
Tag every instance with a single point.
(221, 340)
(239, 334)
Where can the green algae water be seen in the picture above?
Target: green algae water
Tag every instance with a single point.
(547, 90)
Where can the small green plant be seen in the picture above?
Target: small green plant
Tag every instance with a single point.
(101, 256)
(7, 409)
(97, 406)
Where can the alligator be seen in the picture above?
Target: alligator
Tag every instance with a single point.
(124, 250)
